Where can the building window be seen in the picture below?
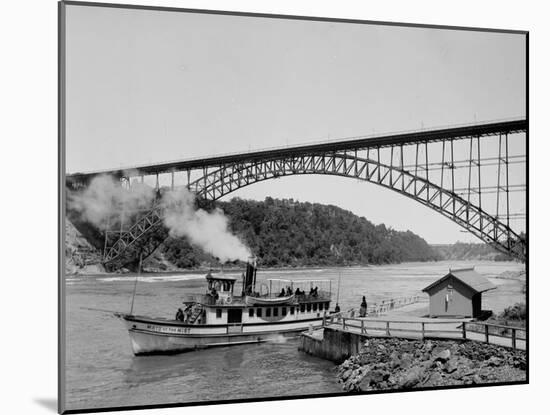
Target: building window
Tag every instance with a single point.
(268, 312)
(259, 312)
(291, 310)
(284, 311)
(250, 312)
(302, 308)
(308, 307)
(218, 313)
(275, 311)
(314, 306)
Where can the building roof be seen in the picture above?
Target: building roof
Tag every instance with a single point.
(468, 276)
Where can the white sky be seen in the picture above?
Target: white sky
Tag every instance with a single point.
(148, 86)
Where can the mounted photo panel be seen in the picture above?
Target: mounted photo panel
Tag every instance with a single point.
(213, 248)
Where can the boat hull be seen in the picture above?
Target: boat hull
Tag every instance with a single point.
(149, 336)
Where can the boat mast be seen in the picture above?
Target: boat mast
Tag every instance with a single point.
(135, 283)
(338, 291)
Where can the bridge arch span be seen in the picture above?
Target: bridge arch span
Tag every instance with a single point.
(413, 185)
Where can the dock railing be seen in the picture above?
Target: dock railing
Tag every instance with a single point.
(490, 331)
(479, 331)
(390, 304)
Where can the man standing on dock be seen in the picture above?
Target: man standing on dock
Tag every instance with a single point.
(363, 308)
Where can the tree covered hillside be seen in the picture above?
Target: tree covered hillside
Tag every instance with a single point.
(289, 233)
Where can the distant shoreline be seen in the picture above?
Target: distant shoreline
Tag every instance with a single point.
(232, 269)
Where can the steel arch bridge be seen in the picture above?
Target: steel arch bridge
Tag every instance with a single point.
(468, 174)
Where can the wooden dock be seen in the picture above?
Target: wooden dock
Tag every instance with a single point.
(342, 336)
(421, 328)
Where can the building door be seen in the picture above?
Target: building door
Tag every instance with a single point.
(234, 315)
(476, 305)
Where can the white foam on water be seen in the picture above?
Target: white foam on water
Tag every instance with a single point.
(156, 278)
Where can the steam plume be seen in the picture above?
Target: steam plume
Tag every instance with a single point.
(103, 201)
(208, 230)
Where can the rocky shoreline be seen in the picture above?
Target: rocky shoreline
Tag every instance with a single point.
(390, 363)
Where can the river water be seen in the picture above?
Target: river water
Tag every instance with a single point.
(101, 370)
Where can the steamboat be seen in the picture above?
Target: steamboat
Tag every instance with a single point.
(219, 317)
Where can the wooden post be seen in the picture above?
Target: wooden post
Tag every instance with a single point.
(362, 326)
(513, 338)
(324, 319)
(423, 328)
(463, 329)
(387, 328)
(486, 333)
(343, 323)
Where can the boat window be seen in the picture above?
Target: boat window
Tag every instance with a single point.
(218, 313)
(268, 312)
(259, 312)
(308, 307)
(284, 311)
(291, 310)
(250, 312)
(314, 306)
(275, 311)
(302, 308)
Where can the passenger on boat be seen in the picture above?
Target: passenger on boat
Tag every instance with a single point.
(288, 291)
(179, 315)
(363, 309)
(187, 315)
(298, 292)
(282, 293)
(314, 292)
(337, 308)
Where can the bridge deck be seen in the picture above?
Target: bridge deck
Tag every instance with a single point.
(476, 130)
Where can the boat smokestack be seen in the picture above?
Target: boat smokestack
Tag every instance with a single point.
(250, 276)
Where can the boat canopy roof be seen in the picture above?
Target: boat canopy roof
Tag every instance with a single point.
(220, 277)
(297, 281)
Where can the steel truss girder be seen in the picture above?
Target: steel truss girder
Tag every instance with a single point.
(219, 181)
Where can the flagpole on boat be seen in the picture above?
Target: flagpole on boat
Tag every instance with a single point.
(338, 291)
(135, 283)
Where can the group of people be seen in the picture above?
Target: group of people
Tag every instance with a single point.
(285, 293)
(314, 292)
(363, 309)
(185, 315)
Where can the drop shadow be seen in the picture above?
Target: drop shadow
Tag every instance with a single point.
(48, 403)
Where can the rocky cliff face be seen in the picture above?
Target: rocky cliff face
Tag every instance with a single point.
(83, 258)
(80, 256)
(384, 364)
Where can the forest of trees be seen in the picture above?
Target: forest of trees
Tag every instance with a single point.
(289, 233)
(470, 251)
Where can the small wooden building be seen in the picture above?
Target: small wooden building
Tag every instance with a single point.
(458, 294)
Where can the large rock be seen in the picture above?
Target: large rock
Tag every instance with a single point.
(443, 356)
(451, 365)
(406, 360)
(346, 374)
(412, 377)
